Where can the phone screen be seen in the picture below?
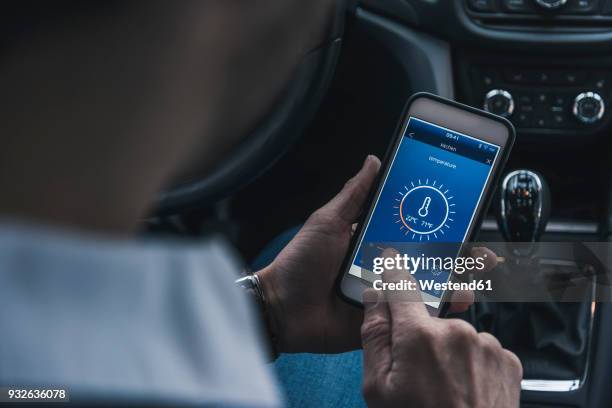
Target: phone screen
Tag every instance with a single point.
(430, 194)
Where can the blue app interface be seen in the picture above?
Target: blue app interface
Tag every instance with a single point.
(430, 194)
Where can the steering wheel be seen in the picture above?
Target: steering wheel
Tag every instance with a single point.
(272, 137)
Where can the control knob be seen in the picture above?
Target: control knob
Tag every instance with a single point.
(588, 107)
(499, 102)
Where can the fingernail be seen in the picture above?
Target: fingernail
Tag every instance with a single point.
(478, 252)
(389, 253)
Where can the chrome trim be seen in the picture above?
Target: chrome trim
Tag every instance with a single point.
(489, 225)
(572, 227)
(592, 95)
(551, 6)
(566, 227)
(499, 92)
(550, 385)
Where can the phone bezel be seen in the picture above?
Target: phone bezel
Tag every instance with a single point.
(459, 118)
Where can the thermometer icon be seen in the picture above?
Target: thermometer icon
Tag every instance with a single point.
(424, 210)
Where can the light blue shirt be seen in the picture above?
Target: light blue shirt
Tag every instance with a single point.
(143, 322)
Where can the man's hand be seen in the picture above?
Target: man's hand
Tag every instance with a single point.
(412, 359)
(307, 314)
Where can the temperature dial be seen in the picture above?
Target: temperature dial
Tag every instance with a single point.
(499, 102)
(589, 107)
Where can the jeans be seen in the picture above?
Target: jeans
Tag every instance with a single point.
(315, 380)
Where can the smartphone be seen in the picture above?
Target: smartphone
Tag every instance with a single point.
(434, 187)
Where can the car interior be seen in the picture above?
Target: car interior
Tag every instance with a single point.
(546, 65)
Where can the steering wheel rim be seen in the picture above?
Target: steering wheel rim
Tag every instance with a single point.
(273, 136)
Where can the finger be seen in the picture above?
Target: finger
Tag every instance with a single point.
(489, 258)
(515, 366)
(404, 305)
(354, 228)
(461, 301)
(347, 205)
(490, 340)
(375, 334)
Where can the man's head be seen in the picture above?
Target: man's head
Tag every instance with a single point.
(105, 101)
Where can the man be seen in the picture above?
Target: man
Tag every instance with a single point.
(104, 103)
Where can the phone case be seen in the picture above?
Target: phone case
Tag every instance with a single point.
(385, 163)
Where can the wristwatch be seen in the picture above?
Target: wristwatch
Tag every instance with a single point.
(252, 286)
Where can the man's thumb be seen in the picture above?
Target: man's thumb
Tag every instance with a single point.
(349, 202)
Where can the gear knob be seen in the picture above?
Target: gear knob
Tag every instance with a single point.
(525, 206)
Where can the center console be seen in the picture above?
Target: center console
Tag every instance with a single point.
(540, 97)
(546, 65)
(559, 97)
(561, 108)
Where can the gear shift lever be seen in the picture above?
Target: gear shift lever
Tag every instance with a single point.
(525, 206)
(547, 335)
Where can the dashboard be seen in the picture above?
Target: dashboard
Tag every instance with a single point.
(541, 63)
(545, 96)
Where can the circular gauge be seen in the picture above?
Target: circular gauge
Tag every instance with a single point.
(424, 210)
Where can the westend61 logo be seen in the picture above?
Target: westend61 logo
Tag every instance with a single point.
(413, 264)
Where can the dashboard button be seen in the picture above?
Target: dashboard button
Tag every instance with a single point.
(517, 6)
(516, 76)
(580, 7)
(524, 99)
(484, 76)
(573, 77)
(599, 81)
(560, 101)
(542, 116)
(526, 108)
(487, 78)
(523, 119)
(542, 119)
(482, 5)
(558, 120)
(523, 76)
(542, 122)
(542, 77)
(541, 98)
